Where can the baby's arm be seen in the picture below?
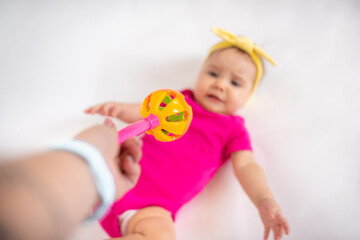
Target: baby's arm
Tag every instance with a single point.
(253, 180)
(127, 112)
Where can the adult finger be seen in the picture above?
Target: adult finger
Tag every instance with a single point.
(108, 122)
(131, 169)
(132, 147)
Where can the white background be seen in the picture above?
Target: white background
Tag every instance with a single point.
(59, 57)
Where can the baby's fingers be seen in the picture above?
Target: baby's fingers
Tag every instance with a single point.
(90, 109)
(115, 111)
(278, 232)
(266, 233)
(107, 108)
(283, 222)
(280, 227)
(94, 109)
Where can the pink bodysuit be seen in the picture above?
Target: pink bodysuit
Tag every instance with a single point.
(174, 172)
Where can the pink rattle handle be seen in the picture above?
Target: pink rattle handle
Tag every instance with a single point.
(139, 127)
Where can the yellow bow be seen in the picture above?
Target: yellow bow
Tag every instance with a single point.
(245, 44)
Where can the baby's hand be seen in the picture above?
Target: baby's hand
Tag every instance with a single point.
(111, 109)
(272, 218)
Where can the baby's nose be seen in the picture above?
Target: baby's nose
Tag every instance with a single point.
(219, 84)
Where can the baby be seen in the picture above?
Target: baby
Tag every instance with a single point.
(174, 172)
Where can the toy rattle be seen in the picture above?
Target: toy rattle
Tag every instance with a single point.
(166, 116)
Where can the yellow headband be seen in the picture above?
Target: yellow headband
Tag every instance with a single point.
(245, 44)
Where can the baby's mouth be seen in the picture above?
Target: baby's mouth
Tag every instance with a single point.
(214, 98)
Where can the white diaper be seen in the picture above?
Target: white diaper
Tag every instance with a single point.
(124, 220)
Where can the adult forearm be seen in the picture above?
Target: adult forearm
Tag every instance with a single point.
(38, 204)
(253, 180)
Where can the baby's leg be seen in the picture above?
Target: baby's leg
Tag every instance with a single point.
(150, 223)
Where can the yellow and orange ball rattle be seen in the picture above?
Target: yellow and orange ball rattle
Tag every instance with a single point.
(166, 116)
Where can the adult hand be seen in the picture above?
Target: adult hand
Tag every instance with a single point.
(57, 186)
(123, 161)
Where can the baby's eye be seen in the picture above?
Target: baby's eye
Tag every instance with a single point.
(235, 83)
(213, 74)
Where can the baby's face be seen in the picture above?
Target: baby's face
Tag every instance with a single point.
(225, 81)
